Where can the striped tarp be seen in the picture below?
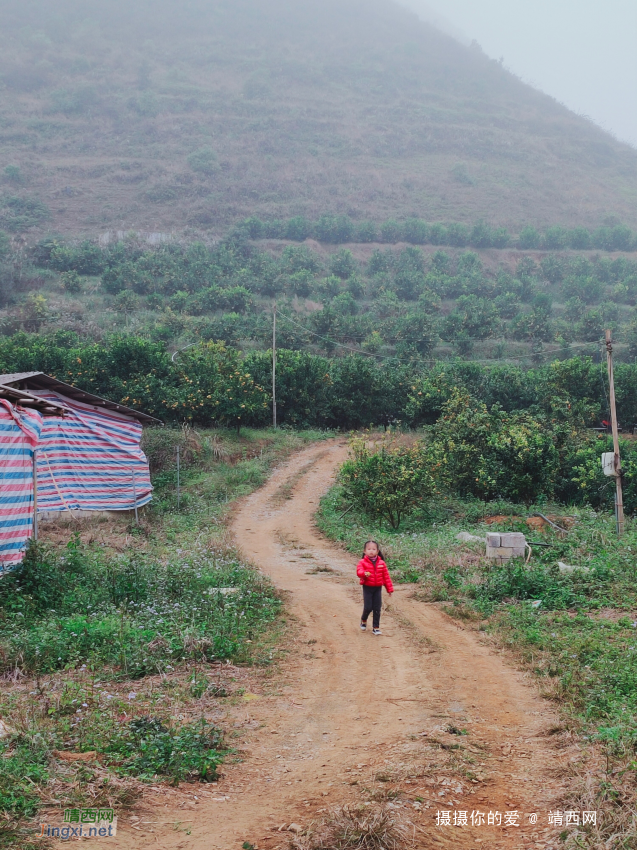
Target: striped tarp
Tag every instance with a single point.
(19, 434)
(90, 460)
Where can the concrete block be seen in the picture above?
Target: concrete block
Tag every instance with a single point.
(499, 552)
(518, 552)
(514, 538)
(493, 540)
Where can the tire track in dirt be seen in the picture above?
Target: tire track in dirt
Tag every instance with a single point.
(346, 701)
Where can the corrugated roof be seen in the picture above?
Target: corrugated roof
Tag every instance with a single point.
(40, 381)
(43, 405)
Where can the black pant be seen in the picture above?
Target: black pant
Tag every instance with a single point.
(372, 601)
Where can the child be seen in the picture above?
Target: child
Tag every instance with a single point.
(373, 573)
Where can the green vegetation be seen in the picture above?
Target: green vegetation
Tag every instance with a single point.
(341, 229)
(567, 613)
(580, 638)
(387, 483)
(362, 342)
(115, 655)
(134, 612)
(407, 303)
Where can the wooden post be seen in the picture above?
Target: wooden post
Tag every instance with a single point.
(274, 366)
(619, 500)
(178, 481)
(135, 498)
(35, 494)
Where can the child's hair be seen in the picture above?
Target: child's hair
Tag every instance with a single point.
(380, 554)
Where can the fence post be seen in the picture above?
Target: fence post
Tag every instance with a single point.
(135, 498)
(35, 494)
(178, 481)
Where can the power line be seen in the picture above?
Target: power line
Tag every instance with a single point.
(338, 344)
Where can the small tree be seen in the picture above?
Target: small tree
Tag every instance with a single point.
(343, 264)
(387, 483)
(217, 388)
(71, 282)
(35, 311)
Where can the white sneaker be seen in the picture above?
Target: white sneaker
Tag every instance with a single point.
(376, 632)
(363, 626)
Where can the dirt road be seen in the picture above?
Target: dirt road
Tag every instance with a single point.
(427, 710)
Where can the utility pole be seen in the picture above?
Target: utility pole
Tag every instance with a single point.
(619, 499)
(274, 366)
(178, 477)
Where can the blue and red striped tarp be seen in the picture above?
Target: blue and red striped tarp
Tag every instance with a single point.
(90, 460)
(19, 435)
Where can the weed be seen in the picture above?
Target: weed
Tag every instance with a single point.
(135, 613)
(147, 748)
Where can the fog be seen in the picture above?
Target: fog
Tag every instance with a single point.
(582, 52)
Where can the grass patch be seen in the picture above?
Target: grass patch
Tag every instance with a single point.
(136, 614)
(580, 640)
(119, 646)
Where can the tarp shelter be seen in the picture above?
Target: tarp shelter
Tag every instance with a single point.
(88, 453)
(21, 418)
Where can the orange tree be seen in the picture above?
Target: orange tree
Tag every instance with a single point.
(387, 483)
(216, 387)
(494, 454)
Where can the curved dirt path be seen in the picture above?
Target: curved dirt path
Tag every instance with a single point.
(351, 709)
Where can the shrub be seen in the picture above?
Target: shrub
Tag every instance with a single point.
(71, 282)
(415, 231)
(555, 239)
(79, 101)
(387, 483)
(335, 229)
(22, 213)
(147, 748)
(391, 231)
(366, 231)
(298, 229)
(204, 160)
(528, 238)
(438, 234)
(5, 244)
(481, 236)
(491, 454)
(580, 239)
(458, 235)
(343, 264)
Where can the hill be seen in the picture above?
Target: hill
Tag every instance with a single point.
(188, 117)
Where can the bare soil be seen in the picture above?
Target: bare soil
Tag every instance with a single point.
(429, 716)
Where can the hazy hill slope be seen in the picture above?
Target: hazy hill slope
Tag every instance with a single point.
(165, 115)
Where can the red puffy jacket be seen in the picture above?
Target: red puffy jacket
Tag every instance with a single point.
(378, 573)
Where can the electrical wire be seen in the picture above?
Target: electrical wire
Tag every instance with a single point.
(421, 360)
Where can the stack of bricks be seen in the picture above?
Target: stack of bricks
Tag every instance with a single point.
(502, 547)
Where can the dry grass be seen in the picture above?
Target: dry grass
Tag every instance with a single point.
(609, 789)
(361, 827)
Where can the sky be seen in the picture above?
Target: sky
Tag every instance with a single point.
(582, 52)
